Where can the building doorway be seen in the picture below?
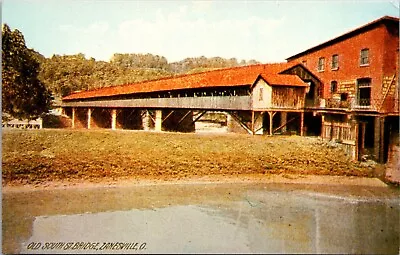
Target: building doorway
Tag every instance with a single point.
(366, 136)
(312, 124)
(364, 92)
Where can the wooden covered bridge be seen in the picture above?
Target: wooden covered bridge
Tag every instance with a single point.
(259, 99)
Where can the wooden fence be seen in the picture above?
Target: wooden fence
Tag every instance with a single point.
(23, 124)
(345, 134)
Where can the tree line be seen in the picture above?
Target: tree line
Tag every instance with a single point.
(68, 73)
(30, 80)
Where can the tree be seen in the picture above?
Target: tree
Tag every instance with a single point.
(24, 96)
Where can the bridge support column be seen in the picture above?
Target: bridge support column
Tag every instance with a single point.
(114, 119)
(302, 124)
(158, 124)
(271, 117)
(355, 150)
(146, 120)
(283, 121)
(89, 117)
(73, 117)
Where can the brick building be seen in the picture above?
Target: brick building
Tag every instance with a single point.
(359, 92)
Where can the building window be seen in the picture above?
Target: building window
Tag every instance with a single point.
(335, 62)
(364, 92)
(333, 86)
(261, 95)
(321, 64)
(364, 57)
(344, 96)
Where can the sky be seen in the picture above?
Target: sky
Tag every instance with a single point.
(267, 31)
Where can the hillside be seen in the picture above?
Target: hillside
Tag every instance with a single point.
(68, 73)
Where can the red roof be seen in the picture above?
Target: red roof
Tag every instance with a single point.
(236, 76)
(283, 80)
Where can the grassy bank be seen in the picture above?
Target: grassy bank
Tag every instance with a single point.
(35, 156)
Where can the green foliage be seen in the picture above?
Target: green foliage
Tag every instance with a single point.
(200, 70)
(69, 73)
(199, 64)
(139, 61)
(24, 96)
(65, 74)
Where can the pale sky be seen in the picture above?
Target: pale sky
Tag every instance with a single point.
(268, 31)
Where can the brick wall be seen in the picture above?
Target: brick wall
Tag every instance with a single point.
(382, 42)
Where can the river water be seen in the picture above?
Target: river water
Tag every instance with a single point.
(203, 218)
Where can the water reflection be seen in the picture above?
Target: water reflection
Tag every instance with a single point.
(257, 221)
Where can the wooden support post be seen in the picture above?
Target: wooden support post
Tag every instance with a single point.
(382, 141)
(130, 114)
(238, 120)
(151, 117)
(323, 127)
(252, 122)
(114, 119)
(200, 115)
(169, 114)
(89, 117)
(283, 121)
(356, 154)
(271, 117)
(284, 125)
(302, 124)
(362, 142)
(158, 124)
(73, 117)
(258, 123)
(183, 118)
(378, 138)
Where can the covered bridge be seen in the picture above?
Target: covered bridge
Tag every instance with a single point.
(245, 93)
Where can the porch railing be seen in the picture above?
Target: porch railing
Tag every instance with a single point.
(379, 104)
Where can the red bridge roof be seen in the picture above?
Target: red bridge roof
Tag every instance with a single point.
(228, 77)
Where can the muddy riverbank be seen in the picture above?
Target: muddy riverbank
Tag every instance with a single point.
(35, 157)
(278, 216)
(254, 193)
